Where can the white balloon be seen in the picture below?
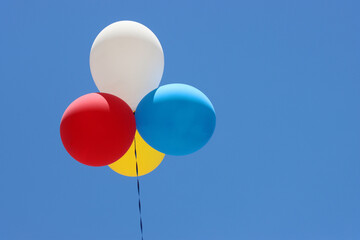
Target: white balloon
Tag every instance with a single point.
(127, 60)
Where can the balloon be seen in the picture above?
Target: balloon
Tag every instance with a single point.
(127, 60)
(176, 119)
(148, 159)
(97, 129)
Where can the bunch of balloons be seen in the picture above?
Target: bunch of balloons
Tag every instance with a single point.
(132, 119)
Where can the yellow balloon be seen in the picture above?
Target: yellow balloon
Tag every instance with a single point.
(148, 159)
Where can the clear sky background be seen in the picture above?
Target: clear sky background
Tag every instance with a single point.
(283, 163)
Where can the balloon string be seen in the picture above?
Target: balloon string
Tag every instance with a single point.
(138, 189)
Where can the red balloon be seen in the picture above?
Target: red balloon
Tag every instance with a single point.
(97, 129)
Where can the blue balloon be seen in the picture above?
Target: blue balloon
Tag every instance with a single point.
(175, 119)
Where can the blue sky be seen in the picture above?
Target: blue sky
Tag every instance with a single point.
(283, 163)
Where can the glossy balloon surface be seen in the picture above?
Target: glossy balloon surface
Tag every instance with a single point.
(127, 60)
(147, 158)
(97, 129)
(176, 119)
